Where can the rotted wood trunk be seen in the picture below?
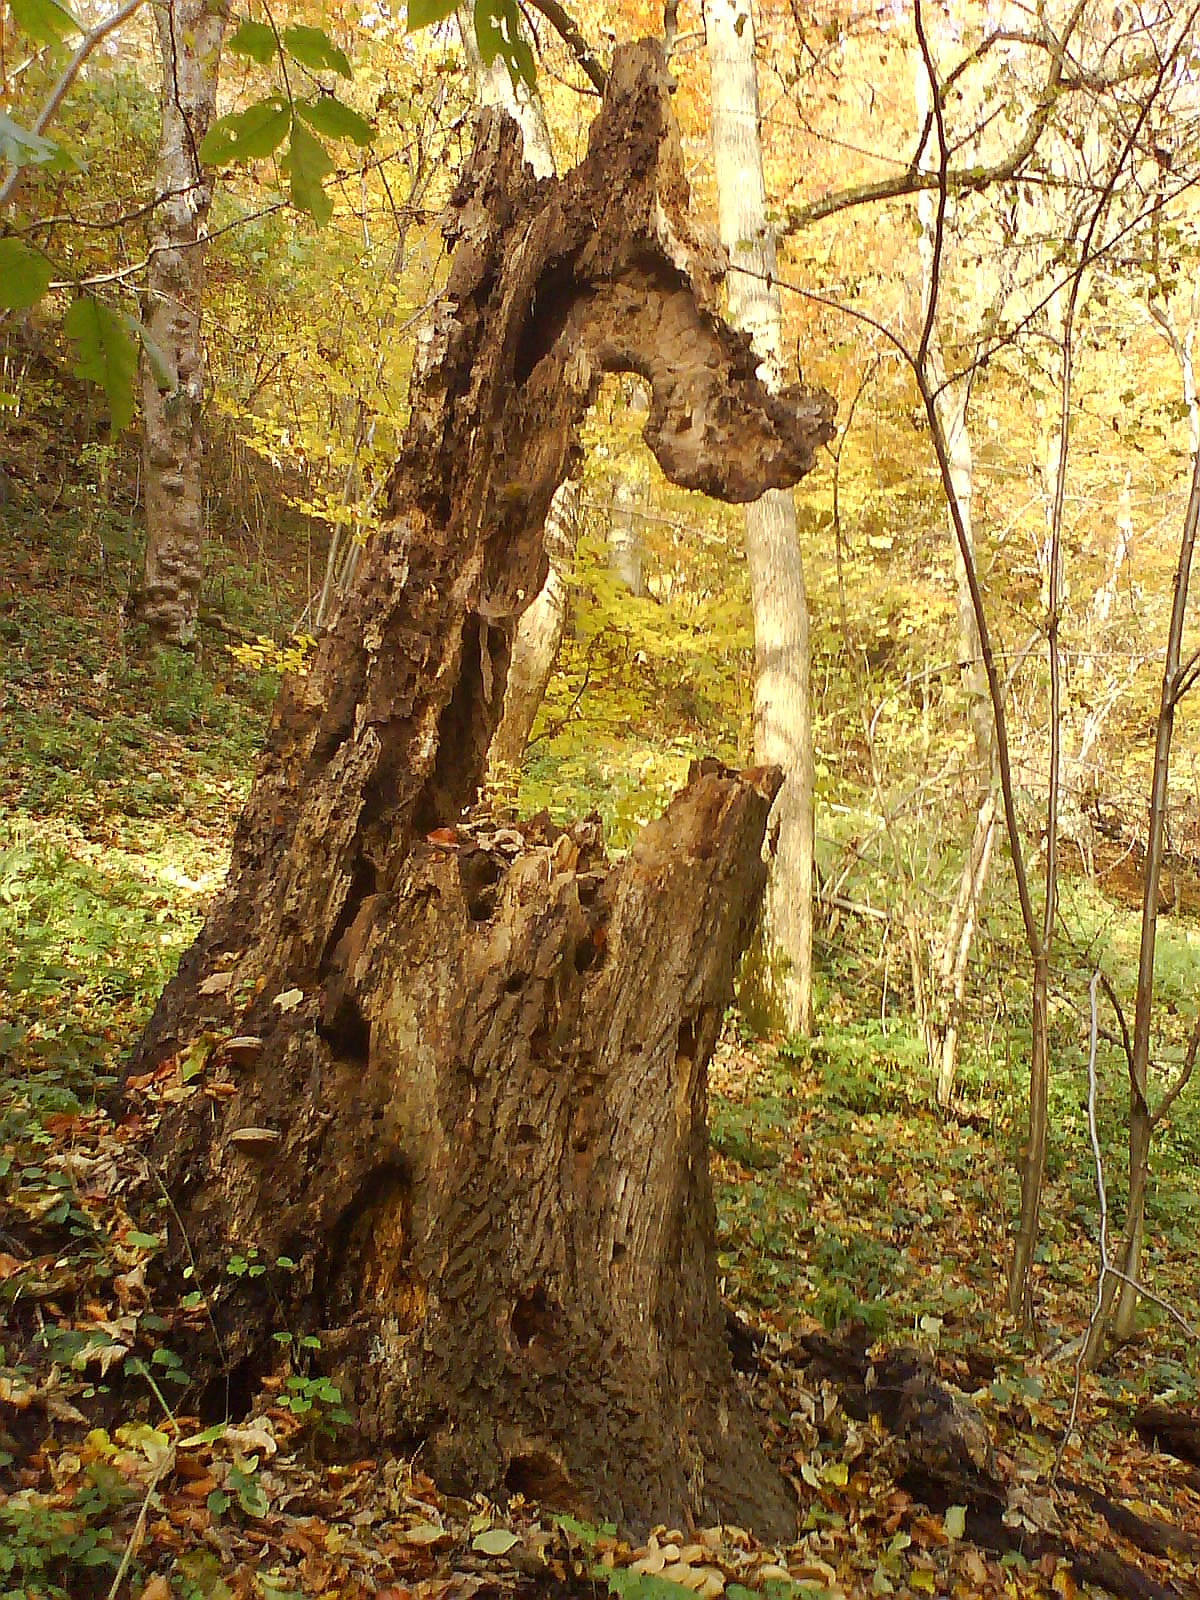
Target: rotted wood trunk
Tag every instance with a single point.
(454, 1076)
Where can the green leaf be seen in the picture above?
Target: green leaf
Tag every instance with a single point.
(25, 275)
(21, 147)
(256, 40)
(329, 116)
(498, 30)
(143, 1241)
(45, 21)
(494, 1542)
(313, 48)
(955, 1521)
(423, 13)
(308, 164)
(248, 135)
(106, 353)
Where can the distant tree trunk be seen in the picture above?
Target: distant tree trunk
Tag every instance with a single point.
(537, 640)
(190, 34)
(782, 701)
(624, 545)
(457, 1075)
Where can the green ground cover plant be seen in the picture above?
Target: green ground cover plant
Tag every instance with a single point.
(843, 1197)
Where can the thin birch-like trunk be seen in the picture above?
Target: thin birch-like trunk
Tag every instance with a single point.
(190, 35)
(782, 705)
(624, 545)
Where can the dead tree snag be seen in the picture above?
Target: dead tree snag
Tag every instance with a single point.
(459, 1076)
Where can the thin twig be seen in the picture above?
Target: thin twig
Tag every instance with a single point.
(133, 1544)
(1098, 1163)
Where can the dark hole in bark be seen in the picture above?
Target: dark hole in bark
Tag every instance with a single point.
(534, 1317)
(228, 1396)
(539, 1044)
(587, 885)
(480, 873)
(538, 1476)
(687, 1039)
(544, 322)
(363, 882)
(462, 738)
(515, 984)
(526, 1133)
(346, 1031)
(585, 955)
(368, 1257)
(618, 1251)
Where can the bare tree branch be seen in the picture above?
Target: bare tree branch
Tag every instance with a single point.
(569, 31)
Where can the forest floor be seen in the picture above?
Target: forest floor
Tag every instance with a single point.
(842, 1199)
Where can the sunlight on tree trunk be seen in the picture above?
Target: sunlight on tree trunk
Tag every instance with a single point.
(190, 34)
(782, 702)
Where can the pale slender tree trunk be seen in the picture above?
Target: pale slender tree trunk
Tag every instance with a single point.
(537, 640)
(782, 707)
(190, 34)
(624, 545)
(494, 87)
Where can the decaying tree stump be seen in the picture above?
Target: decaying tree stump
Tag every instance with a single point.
(456, 1076)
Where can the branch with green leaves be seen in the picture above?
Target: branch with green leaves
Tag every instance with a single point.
(106, 340)
(257, 132)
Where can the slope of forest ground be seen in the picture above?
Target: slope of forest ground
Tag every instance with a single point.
(842, 1199)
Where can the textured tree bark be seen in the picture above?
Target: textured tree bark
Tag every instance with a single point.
(190, 35)
(539, 630)
(459, 1078)
(782, 697)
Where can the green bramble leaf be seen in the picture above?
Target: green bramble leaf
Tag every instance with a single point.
(423, 13)
(308, 164)
(248, 135)
(21, 147)
(313, 48)
(336, 121)
(106, 351)
(25, 275)
(254, 39)
(45, 21)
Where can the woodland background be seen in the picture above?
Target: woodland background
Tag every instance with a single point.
(849, 1185)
